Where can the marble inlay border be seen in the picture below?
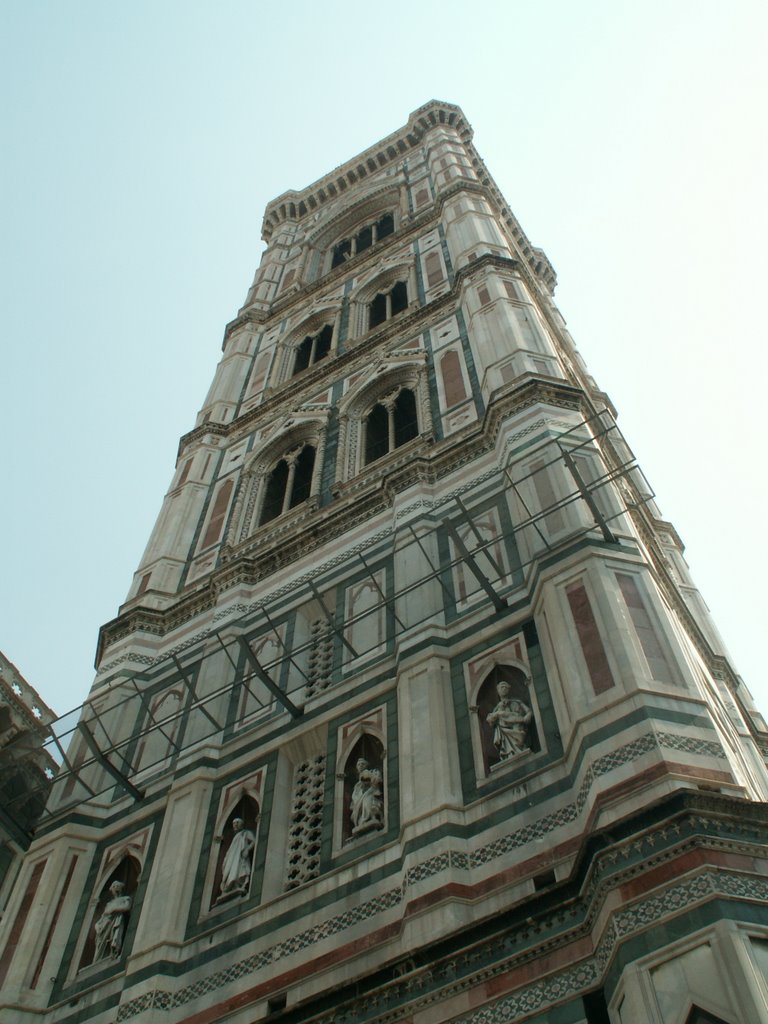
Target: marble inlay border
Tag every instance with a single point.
(434, 865)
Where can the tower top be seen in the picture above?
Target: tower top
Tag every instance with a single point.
(293, 205)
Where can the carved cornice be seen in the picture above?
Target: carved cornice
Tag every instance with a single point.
(294, 206)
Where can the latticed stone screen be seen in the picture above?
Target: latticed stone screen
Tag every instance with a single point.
(306, 822)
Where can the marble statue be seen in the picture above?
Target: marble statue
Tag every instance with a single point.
(238, 862)
(366, 806)
(110, 927)
(510, 719)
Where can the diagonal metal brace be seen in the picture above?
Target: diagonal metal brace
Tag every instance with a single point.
(192, 690)
(331, 620)
(106, 764)
(273, 688)
(587, 496)
(499, 603)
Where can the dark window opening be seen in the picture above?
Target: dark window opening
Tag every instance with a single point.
(277, 1003)
(302, 481)
(390, 425)
(399, 297)
(378, 310)
(314, 348)
(544, 880)
(289, 483)
(273, 499)
(388, 304)
(699, 1016)
(364, 239)
(376, 433)
(341, 252)
(406, 423)
(595, 1007)
(385, 225)
(302, 355)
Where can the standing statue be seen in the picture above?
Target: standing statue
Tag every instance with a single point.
(366, 807)
(110, 927)
(238, 862)
(510, 719)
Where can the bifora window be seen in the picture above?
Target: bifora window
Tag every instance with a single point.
(314, 348)
(388, 304)
(390, 423)
(289, 483)
(364, 239)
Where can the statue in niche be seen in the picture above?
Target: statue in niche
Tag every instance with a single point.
(510, 720)
(110, 927)
(366, 806)
(238, 863)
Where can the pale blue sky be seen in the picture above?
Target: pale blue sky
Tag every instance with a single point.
(141, 142)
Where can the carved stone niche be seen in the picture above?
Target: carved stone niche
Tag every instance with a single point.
(234, 863)
(364, 800)
(109, 921)
(505, 711)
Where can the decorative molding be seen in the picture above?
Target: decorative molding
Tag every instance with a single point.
(557, 923)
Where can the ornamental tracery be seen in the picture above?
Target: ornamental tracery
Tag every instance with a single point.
(387, 291)
(314, 338)
(282, 474)
(378, 209)
(385, 408)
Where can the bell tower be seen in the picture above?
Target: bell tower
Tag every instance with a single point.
(413, 712)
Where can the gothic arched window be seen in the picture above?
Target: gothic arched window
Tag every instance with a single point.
(367, 236)
(388, 304)
(390, 423)
(289, 483)
(312, 349)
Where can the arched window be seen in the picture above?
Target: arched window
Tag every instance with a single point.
(390, 423)
(314, 348)
(388, 304)
(364, 239)
(289, 483)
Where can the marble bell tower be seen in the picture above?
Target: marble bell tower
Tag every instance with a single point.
(413, 713)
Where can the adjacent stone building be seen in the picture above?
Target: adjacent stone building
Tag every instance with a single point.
(413, 713)
(26, 768)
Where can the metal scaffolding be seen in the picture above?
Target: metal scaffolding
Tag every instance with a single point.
(123, 736)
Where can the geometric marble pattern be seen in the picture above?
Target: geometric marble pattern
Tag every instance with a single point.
(430, 867)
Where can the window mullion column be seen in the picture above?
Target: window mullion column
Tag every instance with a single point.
(390, 407)
(291, 459)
